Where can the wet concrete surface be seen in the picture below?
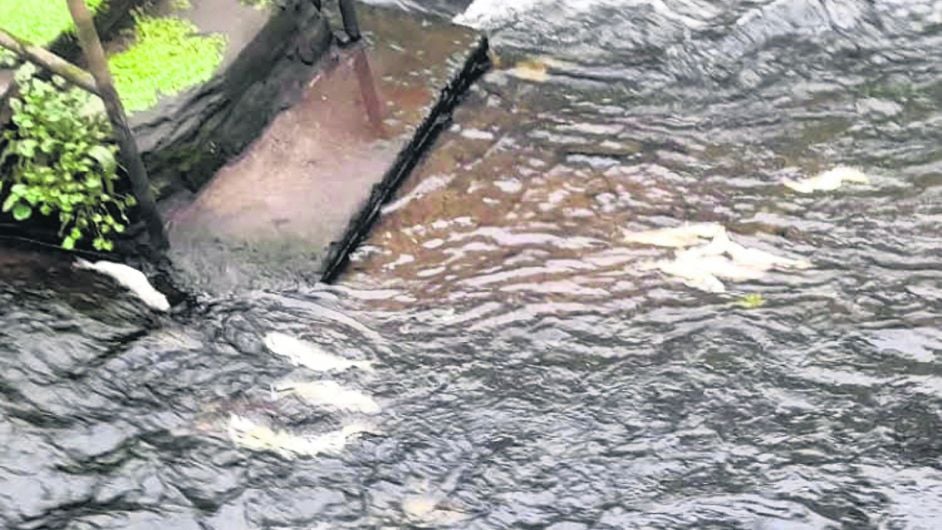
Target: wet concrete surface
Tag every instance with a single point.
(295, 190)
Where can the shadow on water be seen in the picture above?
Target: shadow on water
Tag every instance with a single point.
(532, 369)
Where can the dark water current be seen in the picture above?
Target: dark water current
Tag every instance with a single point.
(532, 371)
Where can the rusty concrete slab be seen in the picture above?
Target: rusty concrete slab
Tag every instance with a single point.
(272, 214)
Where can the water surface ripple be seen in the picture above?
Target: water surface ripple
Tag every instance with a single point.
(533, 369)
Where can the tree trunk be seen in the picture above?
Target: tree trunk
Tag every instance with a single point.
(129, 155)
(49, 61)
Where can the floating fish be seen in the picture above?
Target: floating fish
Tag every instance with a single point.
(828, 181)
(310, 355)
(704, 267)
(752, 258)
(687, 235)
(425, 508)
(531, 70)
(131, 279)
(259, 437)
(693, 275)
(330, 394)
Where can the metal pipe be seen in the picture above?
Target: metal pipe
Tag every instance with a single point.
(374, 106)
(350, 24)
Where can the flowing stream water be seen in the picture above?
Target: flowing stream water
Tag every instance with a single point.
(533, 368)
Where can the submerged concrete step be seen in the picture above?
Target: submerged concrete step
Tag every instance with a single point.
(315, 179)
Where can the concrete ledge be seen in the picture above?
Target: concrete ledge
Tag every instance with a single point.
(305, 193)
(271, 55)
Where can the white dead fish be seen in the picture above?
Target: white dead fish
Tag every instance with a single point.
(749, 258)
(693, 276)
(762, 260)
(259, 437)
(425, 508)
(310, 355)
(687, 235)
(330, 394)
(131, 279)
(703, 267)
(828, 181)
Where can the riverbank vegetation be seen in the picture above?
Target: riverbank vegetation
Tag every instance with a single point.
(63, 162)
(39, 22)
(57, 149)
(167, 57)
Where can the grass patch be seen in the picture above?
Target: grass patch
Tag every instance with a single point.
(167, 57)
(39, 22)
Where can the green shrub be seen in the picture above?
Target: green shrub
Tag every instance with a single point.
(63, 162)
(39, 22)
(167, 57)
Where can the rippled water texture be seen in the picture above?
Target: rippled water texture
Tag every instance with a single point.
(532, 368)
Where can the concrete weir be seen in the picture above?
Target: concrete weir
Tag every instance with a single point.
(303, 195)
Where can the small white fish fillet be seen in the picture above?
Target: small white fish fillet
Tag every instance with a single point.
(258, 437)
(330, 394)
(309, 355)
(828, 181)
(131, 279)
(682, 236)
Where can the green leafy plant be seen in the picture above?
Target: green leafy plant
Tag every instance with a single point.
(39, 22)
(63, 162)
(8, 59)
(168, 56)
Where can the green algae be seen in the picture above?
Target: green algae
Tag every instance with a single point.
(167, 57)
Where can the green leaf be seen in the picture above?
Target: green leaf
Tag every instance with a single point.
(104, 157)
(93, 182)
(68, 243)
(8, 204)
(22, 212)
(27, 148)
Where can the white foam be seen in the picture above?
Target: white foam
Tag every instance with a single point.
(487, 13)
